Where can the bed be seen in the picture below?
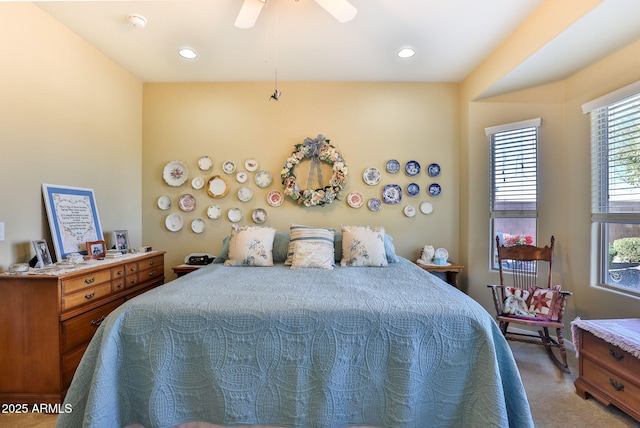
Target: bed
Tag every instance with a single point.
(390, 346)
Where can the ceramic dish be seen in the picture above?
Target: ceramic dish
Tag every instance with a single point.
(392, 194)
(275, 198)
(187, 202)
(205, 163)
(217, 187)
(355, 199)
(371, 176)
(251, 164)
(234, 215)
(393, 166)
(435, 189)
(197, 225)
(413, 189)
(412, 168)
(175, 173)
(409, 211)
(245, 194)
(197, 183)
(242, 176)
(259, 216)
(374, 204)
(164, 202)
(214, 211)
(174, 222)
(263, 178)
(433, 170)
(441, 253)
(426, 207)
(229, 167)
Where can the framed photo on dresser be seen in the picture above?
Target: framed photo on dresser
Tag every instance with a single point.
(42, 253)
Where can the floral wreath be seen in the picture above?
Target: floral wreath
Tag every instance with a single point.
(318, 150)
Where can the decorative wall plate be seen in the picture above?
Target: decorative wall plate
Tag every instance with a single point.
(245, 194)
(251, 164)
(372, 176)
(413, 189)
(263, 178)
(229, 167)
(409, 211)
(426, 207)
(433, 170)
(275, 198)
(393, 166)
(234, 215)
(392, 194)
(214, 211)
(259, 216)
(175, 173)
(205, 163)
(412, 168)
(164, 202)
(355, 199)
(242, 176)
(435, 189)
(197, 225)
(187, 202)
(374, 204)
(197, 183)
(217, 187)
(174, 222)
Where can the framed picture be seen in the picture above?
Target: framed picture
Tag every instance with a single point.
(121, 240)
(96, 249)
(73, 218)
(42, 253)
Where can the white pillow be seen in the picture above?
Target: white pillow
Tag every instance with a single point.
(363, 246)
(317, 255)
(251, 246)
(300, 233)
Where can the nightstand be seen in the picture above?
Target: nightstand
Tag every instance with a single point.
(184, 269)
(451, 271)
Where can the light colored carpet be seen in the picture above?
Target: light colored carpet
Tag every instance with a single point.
(552, 396)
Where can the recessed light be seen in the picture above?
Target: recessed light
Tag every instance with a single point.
(187, 53)
(406, 52)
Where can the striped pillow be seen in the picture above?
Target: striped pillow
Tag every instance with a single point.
(298, 233)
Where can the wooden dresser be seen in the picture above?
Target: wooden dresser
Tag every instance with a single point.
(47, 320)
(608, 373)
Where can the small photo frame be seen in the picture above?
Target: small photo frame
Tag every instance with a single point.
(96, 249)
(121, 240)
(42, 253)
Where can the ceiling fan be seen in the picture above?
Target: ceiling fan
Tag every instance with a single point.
(342, 10)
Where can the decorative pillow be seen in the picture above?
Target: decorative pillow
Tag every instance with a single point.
(389, 248)
(280, 248)
(308, 254)
(515, 302)
(298, 233)
(223, 256)
(363, 246)
(544, 301)
(251, 246)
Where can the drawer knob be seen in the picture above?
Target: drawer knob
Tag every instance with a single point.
(616, 385)
(90, 295)
(152, 273)
(616, 355)
(151, 263)
(90, 280)
(98, 321)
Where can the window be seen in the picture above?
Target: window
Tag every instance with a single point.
(513, 188)
(615, 187)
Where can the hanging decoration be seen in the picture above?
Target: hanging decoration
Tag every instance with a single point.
(318, 151)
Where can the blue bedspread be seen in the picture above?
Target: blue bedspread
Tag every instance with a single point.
(387, 347)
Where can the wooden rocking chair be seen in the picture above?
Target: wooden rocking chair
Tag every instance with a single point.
(521, 262)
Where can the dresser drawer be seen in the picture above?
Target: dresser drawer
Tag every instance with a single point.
(79, 330)
(85, 296)
(617, 387)
(153, 262)
(89, 280)
(610, 356)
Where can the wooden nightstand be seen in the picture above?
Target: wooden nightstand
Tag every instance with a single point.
(451, 271)
(184, 269)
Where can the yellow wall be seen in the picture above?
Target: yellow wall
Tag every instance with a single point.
(68, 116)
(369, 123)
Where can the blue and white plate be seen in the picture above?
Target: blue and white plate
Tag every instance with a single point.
(413, 189)
(374, 204)
(392, 194)
(412, 168)
(393, 166)
(433, 170)
(434, 189)
(372, 176)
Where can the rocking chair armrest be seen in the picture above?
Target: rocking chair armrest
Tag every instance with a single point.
(566, 293)
(495, 286)
(497, 300)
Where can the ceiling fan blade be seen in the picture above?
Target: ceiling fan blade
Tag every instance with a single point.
(249, 13)
(341, 10)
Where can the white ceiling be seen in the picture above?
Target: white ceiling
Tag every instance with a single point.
(305, 43)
